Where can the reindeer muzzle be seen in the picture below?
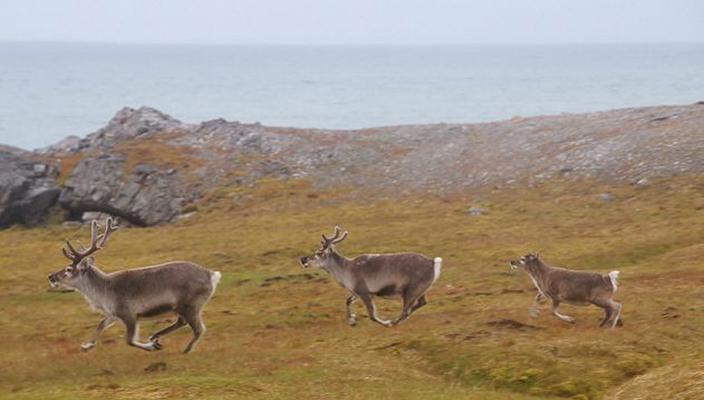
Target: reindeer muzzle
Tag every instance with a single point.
(304, 261)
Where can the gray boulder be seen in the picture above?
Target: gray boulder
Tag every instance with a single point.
(69, 144)
(127, 123)
(28, 188)
(607, 197)
(475, 211)
(144, 196)
(130, 123)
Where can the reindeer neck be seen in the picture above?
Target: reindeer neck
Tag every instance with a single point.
(540, 270)
(341, 260)
(95, 287)
(340, 268)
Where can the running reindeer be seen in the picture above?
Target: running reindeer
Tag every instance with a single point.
(571, 287)
(181, 287)
(408, 275)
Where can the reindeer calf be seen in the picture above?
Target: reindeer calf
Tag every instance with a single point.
(408, 275)
(180, 287)
(571, 287)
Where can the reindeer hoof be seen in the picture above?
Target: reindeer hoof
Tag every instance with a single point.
(534, 313)
(618, 324)
(87, 346)
(351, 321)
(153, 346)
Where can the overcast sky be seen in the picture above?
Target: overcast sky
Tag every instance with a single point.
(353, 21)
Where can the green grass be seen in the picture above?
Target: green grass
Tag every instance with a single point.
(287, 338)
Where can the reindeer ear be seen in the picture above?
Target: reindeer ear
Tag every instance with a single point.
(86, 262)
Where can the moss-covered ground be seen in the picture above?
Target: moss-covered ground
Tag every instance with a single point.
(277, 331)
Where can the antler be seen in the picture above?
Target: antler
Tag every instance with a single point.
(97, 242)
(335, 239)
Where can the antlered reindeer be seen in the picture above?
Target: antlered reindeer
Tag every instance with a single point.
(571, 287)
(180, 286)
(408, 275)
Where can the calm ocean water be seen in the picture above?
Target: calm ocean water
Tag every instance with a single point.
(49, 91)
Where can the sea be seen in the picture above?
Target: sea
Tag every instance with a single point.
(51, 90)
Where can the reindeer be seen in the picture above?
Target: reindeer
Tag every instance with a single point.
(408, 275)
(571, 287)
(129, 295)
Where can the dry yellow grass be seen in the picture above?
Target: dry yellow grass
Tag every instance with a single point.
(287, 337)
(67, 164)
(680, 380)
(156, 151)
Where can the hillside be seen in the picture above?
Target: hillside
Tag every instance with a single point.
(620, 190)
(149, 168)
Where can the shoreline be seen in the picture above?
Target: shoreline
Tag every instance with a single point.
(647, 108)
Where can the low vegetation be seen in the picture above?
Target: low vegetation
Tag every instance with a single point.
(155, 151)
(276, 330)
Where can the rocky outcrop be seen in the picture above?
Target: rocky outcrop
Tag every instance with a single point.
(130, 123)
(144, 165)
(69, 144)
(127, 123)
(104, 182)
(27, 188)
(143, 197)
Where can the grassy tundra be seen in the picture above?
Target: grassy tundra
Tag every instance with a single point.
(278, 331)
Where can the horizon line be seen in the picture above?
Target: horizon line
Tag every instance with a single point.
(341, 44)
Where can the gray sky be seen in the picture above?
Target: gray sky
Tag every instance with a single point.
(353, 21)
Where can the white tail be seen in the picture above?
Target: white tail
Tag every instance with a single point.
(613, 275)
(215, 279)
(438, 268)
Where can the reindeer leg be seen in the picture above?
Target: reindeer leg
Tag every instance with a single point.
(409, 305)
(534, 309)
(607, 317)
(608, 310)
(133, 336)
(102, 325)
(553, 308)
(420, 303)
(617, 307)
(613, 312)
(194, 319)
(371, 309)
(180, 322)
(351, 316)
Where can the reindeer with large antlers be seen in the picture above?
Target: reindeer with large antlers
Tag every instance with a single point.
(180, 287)
(408, 275)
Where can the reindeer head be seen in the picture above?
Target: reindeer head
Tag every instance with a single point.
(81, 260)
(321, 257)
(526, 262)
